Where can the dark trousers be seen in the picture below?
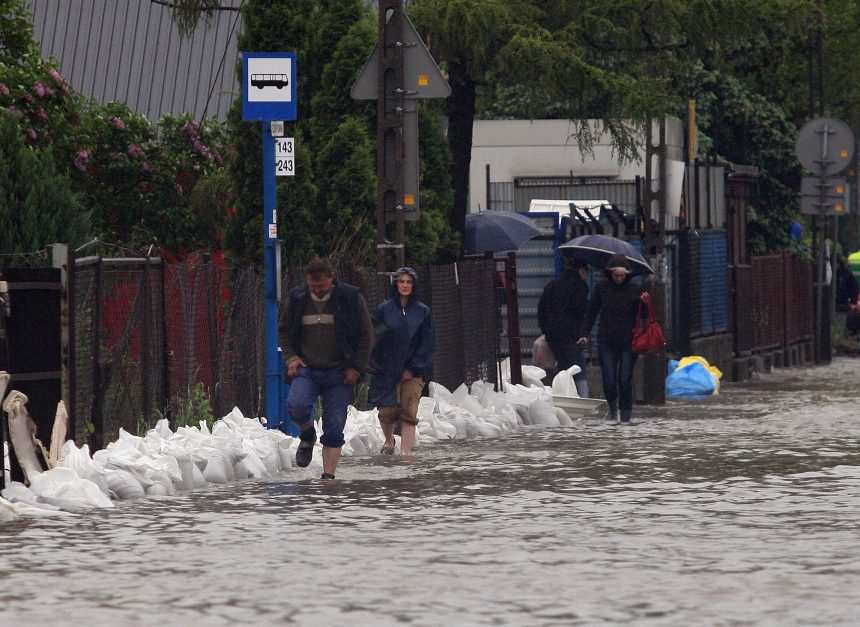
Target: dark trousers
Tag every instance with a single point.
(616, 367)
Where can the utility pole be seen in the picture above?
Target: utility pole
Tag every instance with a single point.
(654, 391)
(398, 73)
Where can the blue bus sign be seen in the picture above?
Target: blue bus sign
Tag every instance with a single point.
(268, 86)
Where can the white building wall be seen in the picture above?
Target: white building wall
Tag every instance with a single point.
(515, 148)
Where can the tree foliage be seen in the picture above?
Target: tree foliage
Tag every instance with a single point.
(37, 206)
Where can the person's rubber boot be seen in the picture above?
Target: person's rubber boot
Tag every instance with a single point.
(626, 414)
(613, 410)
(305, 452)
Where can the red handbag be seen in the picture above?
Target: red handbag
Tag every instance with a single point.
(651, 338)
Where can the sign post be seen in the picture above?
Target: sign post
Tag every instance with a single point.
(269, 96)
(825, 147)
(398, 73)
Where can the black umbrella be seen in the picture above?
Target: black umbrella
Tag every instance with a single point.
(597, 249)
(497, 231)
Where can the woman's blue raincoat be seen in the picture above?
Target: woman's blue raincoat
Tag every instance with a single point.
(408, 344)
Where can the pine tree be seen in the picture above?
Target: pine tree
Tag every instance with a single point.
(37, 206)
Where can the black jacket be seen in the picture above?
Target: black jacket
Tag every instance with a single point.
(617, 306)
(562, 307)
(846, 289)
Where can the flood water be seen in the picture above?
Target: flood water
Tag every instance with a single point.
(740, 510)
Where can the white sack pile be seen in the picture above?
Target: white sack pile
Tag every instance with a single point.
(165, 462)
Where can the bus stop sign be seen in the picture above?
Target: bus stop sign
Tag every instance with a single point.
(268, 86)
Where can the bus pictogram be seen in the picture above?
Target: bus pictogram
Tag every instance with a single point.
(269, 80)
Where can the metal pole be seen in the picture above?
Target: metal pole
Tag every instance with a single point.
(513, 319)
(389, 131)
(270, 236)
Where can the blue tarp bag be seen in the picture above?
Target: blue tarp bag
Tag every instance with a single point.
(691, 380)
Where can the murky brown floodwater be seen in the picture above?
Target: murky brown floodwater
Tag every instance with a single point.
(741, 510)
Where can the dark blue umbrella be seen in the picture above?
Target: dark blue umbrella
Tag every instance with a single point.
(597, 249)
(497, 231)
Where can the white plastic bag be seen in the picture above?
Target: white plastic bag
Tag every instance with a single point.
(563, 383)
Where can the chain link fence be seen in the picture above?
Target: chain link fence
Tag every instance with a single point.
(186, 341)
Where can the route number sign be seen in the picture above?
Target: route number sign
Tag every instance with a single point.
(285, 156)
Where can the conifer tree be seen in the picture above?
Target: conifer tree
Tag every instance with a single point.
(37, 206)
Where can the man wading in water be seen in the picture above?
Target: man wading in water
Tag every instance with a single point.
(326, 337)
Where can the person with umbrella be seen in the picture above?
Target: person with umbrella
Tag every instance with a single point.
(561, 310)
(615, 299)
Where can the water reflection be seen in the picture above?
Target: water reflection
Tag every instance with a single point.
(738, 510)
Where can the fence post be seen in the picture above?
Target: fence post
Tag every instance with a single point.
(165, 358)
(63, 257)
(213, 328)
(98, 378)
(146, 343)
(513, 319)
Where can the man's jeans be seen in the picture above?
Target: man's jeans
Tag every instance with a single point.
(616, 367)
(308, 384)
(568, 354)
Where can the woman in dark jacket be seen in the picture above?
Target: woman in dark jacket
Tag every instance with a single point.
(616, 299)
(404, 354)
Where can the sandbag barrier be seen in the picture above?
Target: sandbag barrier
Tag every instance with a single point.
(165, 462)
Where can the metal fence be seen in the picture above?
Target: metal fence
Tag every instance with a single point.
(773, 306)
(151, 337)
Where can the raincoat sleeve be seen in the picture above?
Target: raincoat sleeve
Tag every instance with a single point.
(365, 341)
(425, 348)
(591, 312)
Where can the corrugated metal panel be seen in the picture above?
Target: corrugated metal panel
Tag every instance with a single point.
(501, 197)
(535, 268)
(713, 288)
(130, 51)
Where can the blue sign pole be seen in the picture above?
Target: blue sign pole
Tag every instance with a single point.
(269, 94)
(270, 236)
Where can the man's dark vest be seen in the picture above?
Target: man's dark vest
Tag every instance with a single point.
(346, 319)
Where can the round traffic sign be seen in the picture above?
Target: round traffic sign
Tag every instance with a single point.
(824, 146)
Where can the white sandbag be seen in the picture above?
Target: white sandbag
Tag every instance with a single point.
(462, 398)
(160, 489)
(438, 429)
(253, 462)
(532, 376)
(485, 429)
(64, 488)
(437, 391)
(285, 454)
(426, 408)
(478, 388)
(217, 469)
(162, 428)
(123, 484)
(563, 383)
(197, 478)
(243, 470)
(183, 462)
(8, 511)
(79, 460)
(456, 420)
(523, 415)
(543, 413)
(563, 417)
(25, 503)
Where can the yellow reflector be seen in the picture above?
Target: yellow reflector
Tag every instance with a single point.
(423, 80)
(843, 153)
(408, 199)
